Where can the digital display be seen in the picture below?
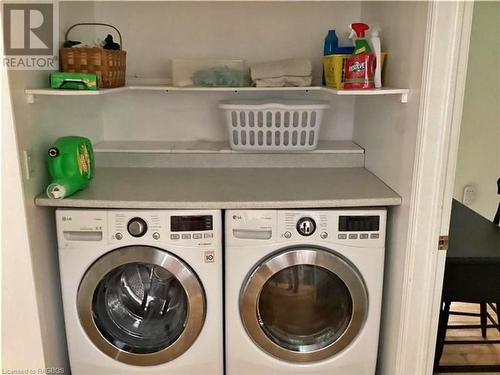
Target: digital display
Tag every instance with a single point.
(359, 223)
(191, 223)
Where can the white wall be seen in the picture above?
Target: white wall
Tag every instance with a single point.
(21, 330)
(159, 31)
(32, 316)
(387, 130)
(478, 161)
(37, 126)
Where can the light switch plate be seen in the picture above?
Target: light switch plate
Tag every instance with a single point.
(28, 164)
(469, 195)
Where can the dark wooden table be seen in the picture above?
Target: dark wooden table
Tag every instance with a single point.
(472, 272)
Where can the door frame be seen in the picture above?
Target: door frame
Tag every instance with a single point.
(443, 86)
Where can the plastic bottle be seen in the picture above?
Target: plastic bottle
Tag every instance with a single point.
(376, 48)
(331, 43)
(330, 46)
(360, 67)
(71, 166)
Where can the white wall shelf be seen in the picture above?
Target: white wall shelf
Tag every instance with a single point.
(373, 92)
(31, 93)
(209, 147)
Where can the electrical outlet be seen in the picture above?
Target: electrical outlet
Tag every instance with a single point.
(469, 195)
(29, 170)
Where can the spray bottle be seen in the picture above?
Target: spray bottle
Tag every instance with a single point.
(71, 166)
(360, 67)
(376, 48)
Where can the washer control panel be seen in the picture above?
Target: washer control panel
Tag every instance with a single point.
(80, 227)
(125, 225)
(183, 228)
(306, 226)
(137, 227)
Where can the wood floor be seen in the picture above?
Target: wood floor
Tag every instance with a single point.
(480, 354)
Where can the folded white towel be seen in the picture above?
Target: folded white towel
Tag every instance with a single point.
(283, 81)
(281, 68)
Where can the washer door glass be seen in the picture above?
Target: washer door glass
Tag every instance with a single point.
(304, 308)
(140, 308)
(141, 305)
(303, 304)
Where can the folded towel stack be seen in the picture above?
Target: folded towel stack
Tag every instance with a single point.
(289, 72)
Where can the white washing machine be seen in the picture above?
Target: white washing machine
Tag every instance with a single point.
(142, 291)
(303, 290)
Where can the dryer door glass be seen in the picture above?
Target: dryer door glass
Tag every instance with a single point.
(140, 308)
(304, 308)
(141, 305)
(303, 304)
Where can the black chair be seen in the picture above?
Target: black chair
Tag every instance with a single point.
(496, 220)
(483, 313)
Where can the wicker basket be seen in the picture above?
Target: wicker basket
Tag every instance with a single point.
(108, 65)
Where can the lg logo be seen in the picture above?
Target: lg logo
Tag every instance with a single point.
(28, 29)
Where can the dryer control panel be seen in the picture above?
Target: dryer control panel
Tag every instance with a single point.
(353, 227)
(344, 226)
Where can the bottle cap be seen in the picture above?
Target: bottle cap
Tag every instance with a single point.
(56, 191)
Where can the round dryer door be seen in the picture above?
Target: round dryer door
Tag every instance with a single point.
(141, 305)
(303, 304)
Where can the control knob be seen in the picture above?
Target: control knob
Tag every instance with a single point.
(137, 227)
(306, 226)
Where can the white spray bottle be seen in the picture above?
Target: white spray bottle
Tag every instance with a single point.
(376, 48)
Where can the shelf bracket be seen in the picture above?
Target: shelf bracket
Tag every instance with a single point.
(404, 97)
(30, 98)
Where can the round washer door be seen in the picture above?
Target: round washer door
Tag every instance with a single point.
(141, 305)
(303, 304)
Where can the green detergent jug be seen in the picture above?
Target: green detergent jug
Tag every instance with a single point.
(71, 166)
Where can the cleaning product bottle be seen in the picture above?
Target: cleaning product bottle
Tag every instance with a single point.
(360, 67)
(71, 166)
(331, 43)
(330, 47)
(376, 48)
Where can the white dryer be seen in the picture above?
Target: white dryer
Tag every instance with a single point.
(303, 290)
(142, 291)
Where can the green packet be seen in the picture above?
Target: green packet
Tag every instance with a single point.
(73, 81)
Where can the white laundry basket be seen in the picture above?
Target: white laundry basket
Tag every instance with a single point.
(273, 125)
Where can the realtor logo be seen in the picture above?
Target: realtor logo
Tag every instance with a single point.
(28, 30)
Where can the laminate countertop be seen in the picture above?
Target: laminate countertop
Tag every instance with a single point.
(225, 188)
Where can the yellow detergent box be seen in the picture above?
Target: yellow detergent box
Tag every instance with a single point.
(333, 66)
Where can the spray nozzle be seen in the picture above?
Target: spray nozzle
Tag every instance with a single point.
(358, 30)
